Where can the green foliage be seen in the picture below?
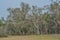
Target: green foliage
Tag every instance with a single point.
(23, 21)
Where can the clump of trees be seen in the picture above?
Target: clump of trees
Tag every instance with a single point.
(26, 20)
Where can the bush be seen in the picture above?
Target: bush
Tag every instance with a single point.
(2, 33)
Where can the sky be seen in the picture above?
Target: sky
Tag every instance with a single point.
(5, 4)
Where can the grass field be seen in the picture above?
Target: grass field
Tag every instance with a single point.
(33, 37)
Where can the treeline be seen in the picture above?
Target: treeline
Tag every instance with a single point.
(28, 20)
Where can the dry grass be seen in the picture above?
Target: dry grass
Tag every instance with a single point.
(33, 37)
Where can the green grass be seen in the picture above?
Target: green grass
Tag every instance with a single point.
(33, 37)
